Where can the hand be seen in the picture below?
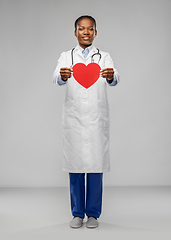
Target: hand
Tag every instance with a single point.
(107, 73)
(65, 73)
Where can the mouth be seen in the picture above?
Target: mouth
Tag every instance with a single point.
(85, 38)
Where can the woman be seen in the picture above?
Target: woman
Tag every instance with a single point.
(85, 121)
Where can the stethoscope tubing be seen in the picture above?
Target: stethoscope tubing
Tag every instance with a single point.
(98, 53)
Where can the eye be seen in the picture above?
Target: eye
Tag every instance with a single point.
(80, 29)
(91, 29)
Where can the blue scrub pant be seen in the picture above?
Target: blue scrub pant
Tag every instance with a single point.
(93, 203)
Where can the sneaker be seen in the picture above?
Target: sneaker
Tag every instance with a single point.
(92, 222)
(76, 222)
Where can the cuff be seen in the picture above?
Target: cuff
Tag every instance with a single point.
(114, 82)
(60, 81)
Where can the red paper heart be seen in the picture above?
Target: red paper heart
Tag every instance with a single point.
(86, 76)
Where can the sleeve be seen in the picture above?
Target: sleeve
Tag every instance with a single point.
(56, 75)
(114, 81)
(109, 64)
(60, 81)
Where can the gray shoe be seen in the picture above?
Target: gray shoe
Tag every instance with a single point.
(92, 222)
(76, 222)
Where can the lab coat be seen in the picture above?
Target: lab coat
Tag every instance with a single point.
(85, 118)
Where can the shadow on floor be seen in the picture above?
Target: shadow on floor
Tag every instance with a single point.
(52, 232)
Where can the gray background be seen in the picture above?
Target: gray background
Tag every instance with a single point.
(33, 34)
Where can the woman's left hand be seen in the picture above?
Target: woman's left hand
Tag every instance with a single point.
(107, 73)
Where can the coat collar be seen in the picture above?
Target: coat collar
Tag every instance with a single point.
(78, 50)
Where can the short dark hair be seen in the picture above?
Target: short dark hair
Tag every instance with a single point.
(82, 17)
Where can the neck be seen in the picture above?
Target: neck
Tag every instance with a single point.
(84, 47)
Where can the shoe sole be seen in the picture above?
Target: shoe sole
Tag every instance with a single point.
(76, 226)
(92, 226)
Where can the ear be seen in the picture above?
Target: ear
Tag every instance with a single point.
(75, 33)
(95, 32)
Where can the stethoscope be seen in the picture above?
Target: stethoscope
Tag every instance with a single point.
(92, 60)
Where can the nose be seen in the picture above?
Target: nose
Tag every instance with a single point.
(86, 31)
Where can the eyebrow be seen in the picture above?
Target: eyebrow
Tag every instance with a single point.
(88, 26)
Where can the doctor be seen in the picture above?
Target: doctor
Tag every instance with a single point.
(85, 124)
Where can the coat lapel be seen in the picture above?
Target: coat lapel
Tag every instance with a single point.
(78, 51)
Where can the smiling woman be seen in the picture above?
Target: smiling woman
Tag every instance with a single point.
(85, 32)
(86, 120)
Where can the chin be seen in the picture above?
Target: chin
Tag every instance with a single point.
(87, 44)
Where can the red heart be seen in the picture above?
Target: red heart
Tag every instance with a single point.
(86, 76)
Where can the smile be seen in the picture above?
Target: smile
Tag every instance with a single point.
(86, 38)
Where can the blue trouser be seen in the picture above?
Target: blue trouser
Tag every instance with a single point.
(93, 204)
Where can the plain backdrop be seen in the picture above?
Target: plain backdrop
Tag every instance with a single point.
(137, 35)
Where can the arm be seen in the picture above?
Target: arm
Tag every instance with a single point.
(109, 72)
(61, 73)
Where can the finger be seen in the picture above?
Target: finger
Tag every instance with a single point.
(107, 72)
(65, 73)
(107, 69)
(65, 68)
(102, 70)
(107, 75)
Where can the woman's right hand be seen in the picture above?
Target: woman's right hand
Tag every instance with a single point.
(65, 73)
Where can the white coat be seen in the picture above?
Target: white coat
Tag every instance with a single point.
(85, 117)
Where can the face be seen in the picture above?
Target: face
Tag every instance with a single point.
(85, 32)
